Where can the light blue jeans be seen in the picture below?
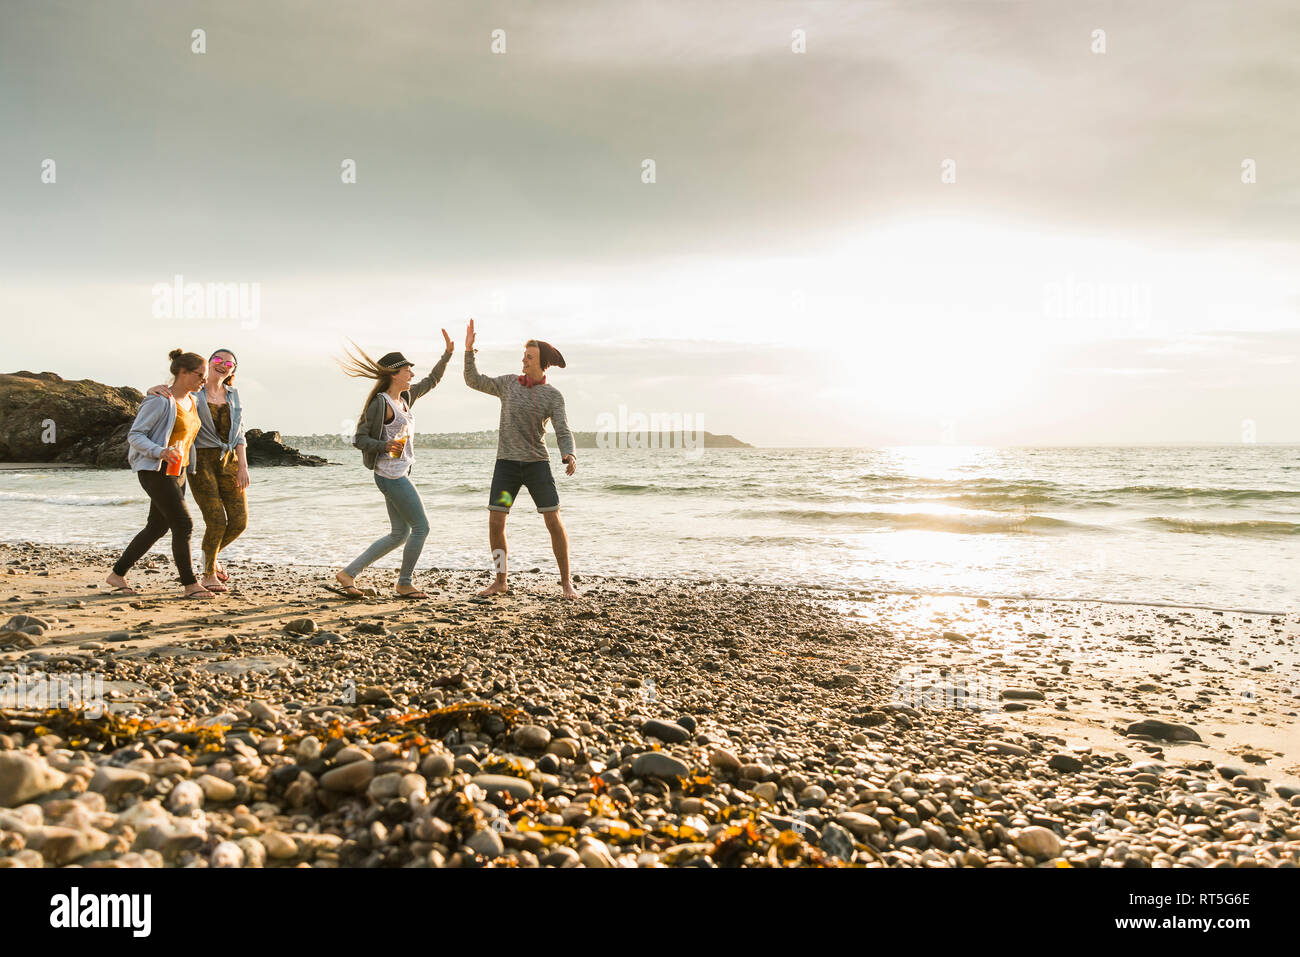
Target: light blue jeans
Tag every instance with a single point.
(406, 513)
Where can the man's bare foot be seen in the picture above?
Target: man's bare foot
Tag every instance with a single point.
(119, 584)
(410, 591)
(567, 589)
(197, 591)
(498, 587)
(212, 583)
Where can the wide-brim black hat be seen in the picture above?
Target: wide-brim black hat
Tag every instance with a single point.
(394, 361)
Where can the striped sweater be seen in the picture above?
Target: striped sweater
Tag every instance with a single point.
(524, 411)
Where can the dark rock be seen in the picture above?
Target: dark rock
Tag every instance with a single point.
(659, 765)
(666, 731)
(265, 448)
(837, 842)
(1162, 730)
(1022, 694)
(1065, 762)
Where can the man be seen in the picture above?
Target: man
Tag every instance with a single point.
(527, 401)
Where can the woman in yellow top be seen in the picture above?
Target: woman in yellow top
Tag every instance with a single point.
(160, 441)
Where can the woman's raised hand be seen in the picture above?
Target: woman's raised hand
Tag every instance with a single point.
(451, 346)
(469, 336)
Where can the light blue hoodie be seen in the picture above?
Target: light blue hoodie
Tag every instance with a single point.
(149, 433)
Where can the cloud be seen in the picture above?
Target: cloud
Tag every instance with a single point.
(231, 159)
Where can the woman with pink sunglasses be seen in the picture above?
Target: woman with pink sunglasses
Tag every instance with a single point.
(219, 468)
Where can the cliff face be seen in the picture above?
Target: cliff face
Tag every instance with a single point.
(45, 418)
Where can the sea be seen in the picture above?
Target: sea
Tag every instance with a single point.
(1207, 526)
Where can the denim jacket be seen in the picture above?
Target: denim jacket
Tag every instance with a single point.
(208, 437)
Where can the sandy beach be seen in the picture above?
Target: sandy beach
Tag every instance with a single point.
(654, 723)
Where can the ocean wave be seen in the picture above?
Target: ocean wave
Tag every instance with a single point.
(627, 488)
(927, 521)
(1207, 494)
(998, 500)
(999, 493)
(78, 500)
(1254, 529)
(730, 540)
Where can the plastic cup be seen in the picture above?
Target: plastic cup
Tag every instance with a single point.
(174, 468)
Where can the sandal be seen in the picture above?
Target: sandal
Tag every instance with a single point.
(124, 590)
(201, 593)
(411, 595)
(222, 576)
(351, 591)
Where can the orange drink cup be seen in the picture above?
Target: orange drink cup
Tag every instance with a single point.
(174, 468)
(401, 446)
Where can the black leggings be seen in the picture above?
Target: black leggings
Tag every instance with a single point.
(167, 512)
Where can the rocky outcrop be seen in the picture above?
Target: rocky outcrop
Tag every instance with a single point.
(46, 418)
(265, 448)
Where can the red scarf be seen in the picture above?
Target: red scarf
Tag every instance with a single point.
(524, 380)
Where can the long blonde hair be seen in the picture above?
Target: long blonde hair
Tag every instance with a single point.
(364, 367)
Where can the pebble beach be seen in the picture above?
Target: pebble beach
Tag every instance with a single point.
(654, 723)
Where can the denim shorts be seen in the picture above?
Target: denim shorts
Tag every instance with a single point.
(508, 476)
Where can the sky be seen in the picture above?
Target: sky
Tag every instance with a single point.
(942, 222)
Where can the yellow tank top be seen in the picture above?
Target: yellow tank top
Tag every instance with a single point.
(186, 429)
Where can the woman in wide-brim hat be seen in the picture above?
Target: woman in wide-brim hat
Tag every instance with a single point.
(385, 435)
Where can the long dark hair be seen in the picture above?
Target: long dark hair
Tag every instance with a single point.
(361, 366)
(230, 379)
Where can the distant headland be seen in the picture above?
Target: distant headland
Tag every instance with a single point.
(582, 440)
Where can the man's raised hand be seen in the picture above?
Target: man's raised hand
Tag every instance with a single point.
(469, 336)
(451, 346)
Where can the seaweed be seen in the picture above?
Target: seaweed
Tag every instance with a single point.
(115, 731)
(736, 844)
(791, 850)
(549, 833)
(696, 785)
(504, 764)
(108, 729)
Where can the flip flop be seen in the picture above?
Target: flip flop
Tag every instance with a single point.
(352, 591)
(197, 595)
(411, 596)
(222, 576)
(124, 590)
(216, 588)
